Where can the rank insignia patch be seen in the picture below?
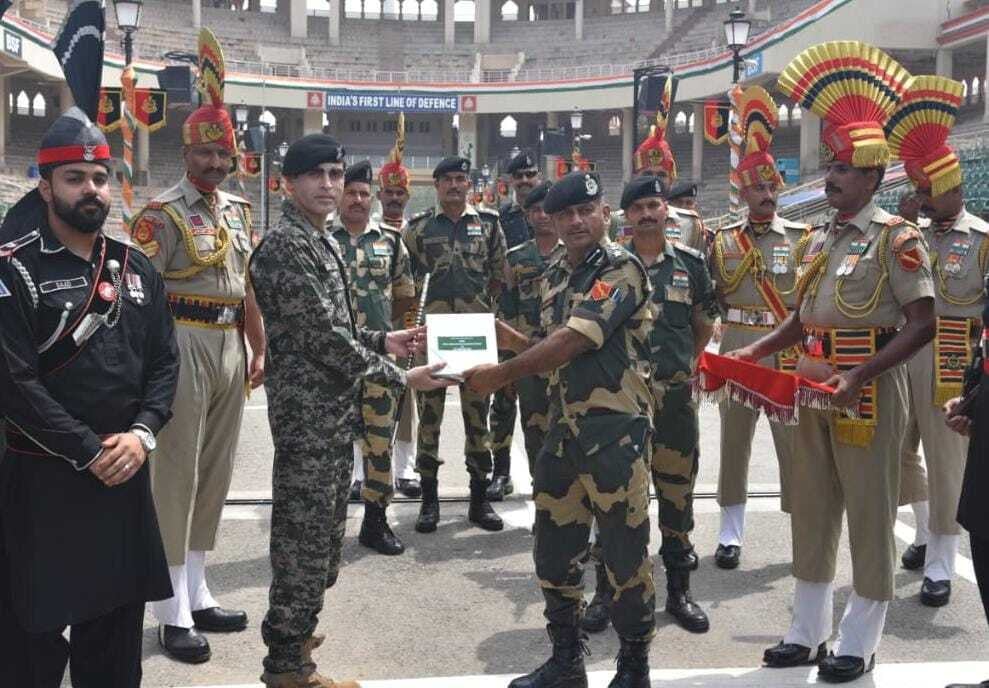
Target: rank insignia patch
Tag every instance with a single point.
(600, 291)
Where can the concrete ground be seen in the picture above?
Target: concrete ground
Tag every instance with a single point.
(463, 604)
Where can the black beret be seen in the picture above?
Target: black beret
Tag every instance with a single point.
(573, 189)
(643, 187)
(537, 195)
(361, 172)
(683, 189)
(523, 161)
(451, 164)
(310, 152)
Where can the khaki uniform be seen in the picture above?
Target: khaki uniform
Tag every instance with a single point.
(202, 249)
(856, 280)
(959, 258)
(379, 273)
(747, 318)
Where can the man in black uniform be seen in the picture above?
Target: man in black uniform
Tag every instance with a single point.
(88, 369)
(524, 170)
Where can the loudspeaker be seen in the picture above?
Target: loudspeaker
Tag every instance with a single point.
(254, 139)
(178, 81)
(651, 91)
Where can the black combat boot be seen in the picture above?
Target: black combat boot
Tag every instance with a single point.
(680, 605)
(429, 510)
(376, 534)
(633, 665)
(598, 612)
(565, 669)
(501, 482)
(480, 512)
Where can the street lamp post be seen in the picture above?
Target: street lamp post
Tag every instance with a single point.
(737, 36)
(129, 21)
(268, 123)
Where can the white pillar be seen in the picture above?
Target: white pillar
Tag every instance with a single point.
(65, 100)
(448, 25)
(982, 91)
(468, 136)
(578, 19)
(197, 14)
(335, 6)
(312, 122)
(628, 143)
(482, 21)
(751, 9)
(297, 18)
(697, 157)
(142, 152)
(3, 118)
(944, 61)
(810, 142)
(552, 120)
(669, 6)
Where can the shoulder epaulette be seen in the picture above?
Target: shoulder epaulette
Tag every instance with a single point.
(906, 235)
(518, 247)
(168, 195)
(733, 225)
(685, 211)
(487, 211)
(977, 224)
(153, 205)
(237, 199)
(12, 247)
(688, 250)
(791, 224)
(390, 231)
(420, 216)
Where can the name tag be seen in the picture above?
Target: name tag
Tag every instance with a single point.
(60, 285)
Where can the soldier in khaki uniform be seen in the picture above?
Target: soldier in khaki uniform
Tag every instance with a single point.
(199, 238)
(864, 275)
(380, 282)
(959, 246)
(463, 249)
(754, 262)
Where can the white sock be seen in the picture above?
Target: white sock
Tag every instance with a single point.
(199, 594)
(813, 610)
(861, 627)
(358, 473)
(921, 514)
(732, 525)
(175, 611)
(941, 552)
(403, 458)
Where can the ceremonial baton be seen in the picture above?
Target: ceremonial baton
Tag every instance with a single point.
(419, 321)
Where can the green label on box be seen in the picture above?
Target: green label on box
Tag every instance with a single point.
(464, 343)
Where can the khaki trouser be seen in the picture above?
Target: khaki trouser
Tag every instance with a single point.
(738, 428)
(944, 449)
(191, 470)
(913, 474)
(831, 478)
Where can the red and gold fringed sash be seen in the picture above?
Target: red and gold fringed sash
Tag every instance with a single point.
(952, 356)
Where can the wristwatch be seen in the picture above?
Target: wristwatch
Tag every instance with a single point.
(147, 439)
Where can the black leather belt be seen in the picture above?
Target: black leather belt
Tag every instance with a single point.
(205, 312)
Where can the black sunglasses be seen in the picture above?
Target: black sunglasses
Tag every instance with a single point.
(525, 174)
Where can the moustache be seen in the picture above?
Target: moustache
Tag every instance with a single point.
(832, 188)
(769, 202)
(92, 200)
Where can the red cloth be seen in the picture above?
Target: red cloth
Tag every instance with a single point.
(778, 394)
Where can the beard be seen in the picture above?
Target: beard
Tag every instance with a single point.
(87, 221)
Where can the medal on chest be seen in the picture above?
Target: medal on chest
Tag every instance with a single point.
(956, 256)
(199, 225)
(781, 259)
(381, 248)
(816, 245)
(474, 228)
(135, 287)
(673, 232)
(233, 220)
(855, 251)
(681, 280)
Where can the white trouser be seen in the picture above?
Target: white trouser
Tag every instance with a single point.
(403, 458)
(861, 625)
(732, 525)
(940, 562)
(358, 472)
(922, 515)
(190, 593)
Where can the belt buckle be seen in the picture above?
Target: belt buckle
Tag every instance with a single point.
(814, 345)
(751, 317)
(227, 316)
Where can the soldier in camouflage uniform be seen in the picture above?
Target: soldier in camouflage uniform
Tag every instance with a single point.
(463, 249)
(380, 282)
(520, 307)
(317, 358)
(596, 319)
(686, 308)
(524, 171)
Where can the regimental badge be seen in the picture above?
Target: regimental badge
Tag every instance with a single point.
(600, 291)
(855, 251)
(4, 291)
(781, 259)
(135, 287)
(106, 292)
(88, 153)
(590, 185)
(681, 280)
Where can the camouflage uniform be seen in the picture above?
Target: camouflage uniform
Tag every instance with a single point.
(317, 359)
(680, 282)
(467, 263)
(520, 307)
(683, 227)
(594, 465)
(379, 272)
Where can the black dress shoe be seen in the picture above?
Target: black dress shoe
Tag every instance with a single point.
(727, 556)
(183, 644)
(355, 492)
(913, 557)
(786, 655)
(843, 668)
(935, 593)
(219, 620)
(501, 486)
(409, 487)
